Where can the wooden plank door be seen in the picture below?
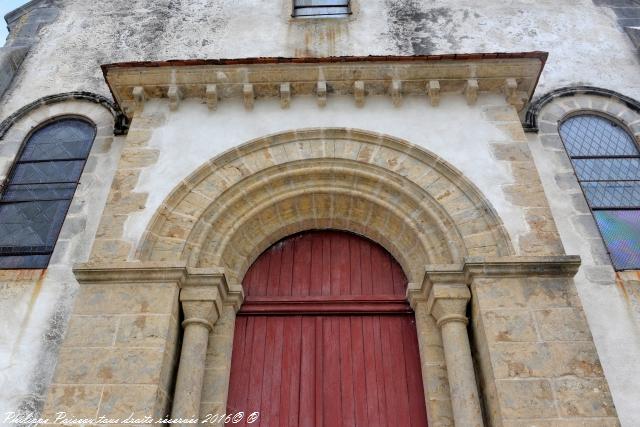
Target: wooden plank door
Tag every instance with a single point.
(326, 338)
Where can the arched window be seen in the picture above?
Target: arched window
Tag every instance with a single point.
(38, 192)
(607, 163)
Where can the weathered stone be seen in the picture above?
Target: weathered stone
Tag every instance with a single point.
(562, 324)
(509, 326)
(91, 331)
(80, 400)
(143, 331)
(126, 299)
(526, 399)
(579, 397)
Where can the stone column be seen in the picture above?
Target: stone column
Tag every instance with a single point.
(202, 306)
(216, 383)
(448, 303)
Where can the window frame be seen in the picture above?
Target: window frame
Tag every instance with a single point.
(348, 14)
(6, 183)
(624, 128)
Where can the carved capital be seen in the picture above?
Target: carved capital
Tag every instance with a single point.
(201, 305)
(448, 303)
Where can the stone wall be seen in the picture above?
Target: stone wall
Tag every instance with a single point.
(612, 311)
(537, 361)
(87, 34)
(36, 304)
(120, 351)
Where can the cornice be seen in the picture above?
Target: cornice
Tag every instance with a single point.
(491, 267)
(515, 76)
(160, 273)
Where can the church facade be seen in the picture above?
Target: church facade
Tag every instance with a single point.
(320, 212)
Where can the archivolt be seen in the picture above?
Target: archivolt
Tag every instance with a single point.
(410, 201)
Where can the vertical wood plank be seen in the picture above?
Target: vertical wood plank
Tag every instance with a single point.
(355, 279)
(361, 397)
(417, 409)
(307, 372)
(379, 370)
(296, 375)
(365, 266)
(272, 285)
(346, 372)
(286, 271)
(319, 371)
(317, 264)
(371, 377)
(276, 371)
(331, 372)
(301, 266)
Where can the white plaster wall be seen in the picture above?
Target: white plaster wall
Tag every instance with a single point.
(586, 44)
(454, 131)
(34, 313)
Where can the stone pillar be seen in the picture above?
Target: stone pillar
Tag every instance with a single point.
(218, 366)
(434, 371)
(448, 303)
(202, 306)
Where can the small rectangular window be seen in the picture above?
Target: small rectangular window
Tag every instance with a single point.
(320, 8)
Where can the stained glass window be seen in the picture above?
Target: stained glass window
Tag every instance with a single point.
(37, 195)
(606, 160)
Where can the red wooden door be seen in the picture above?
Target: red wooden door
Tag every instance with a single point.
(326, 338)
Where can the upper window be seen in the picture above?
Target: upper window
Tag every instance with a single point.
(320, 8)
(607, 163)
(37, 195)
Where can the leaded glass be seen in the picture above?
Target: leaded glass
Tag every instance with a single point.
(44, 172)
(620, 230)
(33, 192)
(606, 160)
(64, 139)
(607, 169)
(41, 186)
(30, 226)
(612, 194)
(594, 136)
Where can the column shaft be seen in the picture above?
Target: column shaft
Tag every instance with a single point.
(186, 403)
(462, 381)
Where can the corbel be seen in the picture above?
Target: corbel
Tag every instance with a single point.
(396, 92)
(175, 96)
(471, 91)
(212, 97)
(249, 96)
(139, 98)
(433, 88)
(321, 93)
(511, 92)
(285, 95)
(358, 93)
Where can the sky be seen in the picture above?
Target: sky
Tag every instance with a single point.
(7, 6)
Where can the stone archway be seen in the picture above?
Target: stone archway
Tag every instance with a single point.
(414, 204)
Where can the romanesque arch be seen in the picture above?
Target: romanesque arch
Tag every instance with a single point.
(407, 199)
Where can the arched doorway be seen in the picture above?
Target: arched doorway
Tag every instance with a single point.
(326, 338)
